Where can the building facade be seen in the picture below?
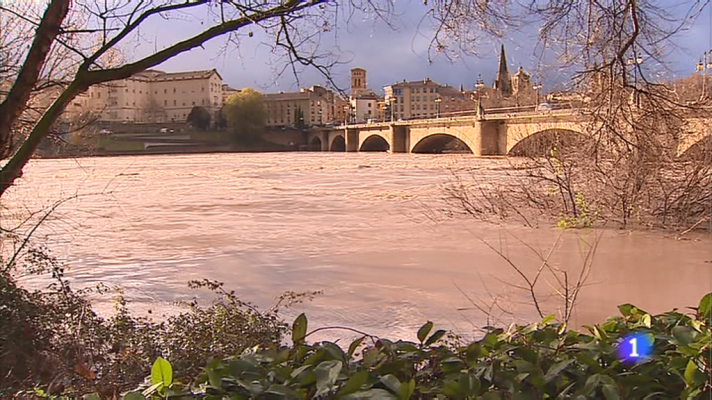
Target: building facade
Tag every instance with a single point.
(308, 107)
(228, 92)
(155, 96)
(425, 99)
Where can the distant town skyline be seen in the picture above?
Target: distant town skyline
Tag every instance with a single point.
(389, 55)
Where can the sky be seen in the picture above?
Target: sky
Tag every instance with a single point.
(388, 54)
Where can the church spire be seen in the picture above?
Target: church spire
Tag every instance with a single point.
(503, 83)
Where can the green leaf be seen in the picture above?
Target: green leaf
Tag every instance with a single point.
(451, 388)
(435, 337)
(548, 319)
(693, 376)
(326, 374)
(391, 382)
(374, 394)
(469, 385)
(354, 345)
(556, 369)
(424, 330)
(279, 390)
(626, 309)
(704, 310)
(299, 329)
(91, 396)
(610, 392)
(646, 320)
(406, 390)
(683, 335)
(134, 396)
(162, 372)
(354, 383)
(591, 384)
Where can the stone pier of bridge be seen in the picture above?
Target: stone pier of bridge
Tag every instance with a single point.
(483, 138)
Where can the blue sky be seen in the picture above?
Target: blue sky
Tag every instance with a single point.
(389, 55)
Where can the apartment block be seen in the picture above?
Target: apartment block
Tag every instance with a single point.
(155, 96)
(425, 99)
(316, 105)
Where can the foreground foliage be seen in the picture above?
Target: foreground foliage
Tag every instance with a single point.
(54, 340)
(543, 360)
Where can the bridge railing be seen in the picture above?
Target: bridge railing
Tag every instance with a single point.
(508, 112)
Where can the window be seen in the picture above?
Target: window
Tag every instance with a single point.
(165, 91)
(202, 89)
(98, 95)
(202, 102)
(127, 90)
(193, 103)
(174, 102)
(155, 92)
(165, 102)
(174, 90)
(370, 105)
(134, 91)
(134, 103)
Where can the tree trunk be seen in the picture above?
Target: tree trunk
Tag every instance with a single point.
(13, 169)
(19, 95)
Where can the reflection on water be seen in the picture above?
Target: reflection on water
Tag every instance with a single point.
(346, 223)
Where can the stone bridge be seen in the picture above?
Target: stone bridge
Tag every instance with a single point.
(492, 134)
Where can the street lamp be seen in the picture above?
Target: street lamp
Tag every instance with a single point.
(635, 61)
(437, 102)
(703, 66)
(537, 87)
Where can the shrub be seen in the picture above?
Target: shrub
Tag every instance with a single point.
(53, 340)
(542, 360)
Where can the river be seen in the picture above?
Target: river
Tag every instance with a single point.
(349, 224)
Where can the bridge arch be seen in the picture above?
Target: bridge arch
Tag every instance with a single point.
(315, 144)
(375, 142)
(541, 143)
(338, 143)
(438, 143)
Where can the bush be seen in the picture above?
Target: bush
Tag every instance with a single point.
(53, 339)
(543, 360)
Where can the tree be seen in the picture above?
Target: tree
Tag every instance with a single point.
(199, 118)
(89, 34)
(246, 115)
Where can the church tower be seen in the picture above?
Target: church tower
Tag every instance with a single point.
(358, 80)
(503, 83)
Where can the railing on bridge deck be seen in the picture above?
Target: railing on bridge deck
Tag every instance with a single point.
(507, 112)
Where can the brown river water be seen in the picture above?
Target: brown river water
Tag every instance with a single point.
(349, 224)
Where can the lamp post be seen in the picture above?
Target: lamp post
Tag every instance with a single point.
(635, 61)
(703, 66)
(537, 87)
(437, 105)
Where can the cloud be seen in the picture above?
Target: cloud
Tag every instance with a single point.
(388, 54)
